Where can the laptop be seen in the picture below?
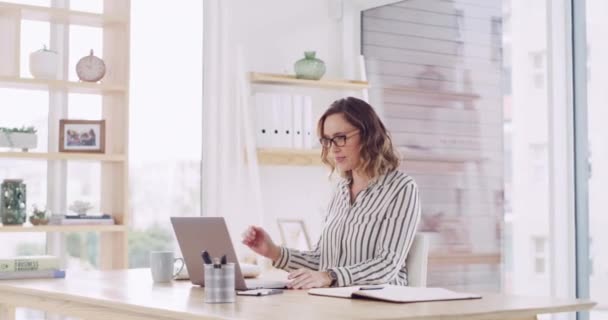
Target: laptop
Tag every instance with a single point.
(195, 234)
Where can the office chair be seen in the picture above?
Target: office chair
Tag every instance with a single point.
(417, 261)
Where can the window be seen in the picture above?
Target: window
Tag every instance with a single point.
(165, 122)
(538, 69)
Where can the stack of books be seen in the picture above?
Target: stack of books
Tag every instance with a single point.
(60, 219)
(30, 267)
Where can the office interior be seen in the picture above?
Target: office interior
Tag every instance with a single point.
(496, 106)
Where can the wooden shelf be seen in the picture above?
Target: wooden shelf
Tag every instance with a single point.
(71, 86)
(291, 80)
(290, 157)
(435, 94)
(63, 156)
(312, 157)
(63, 16)
(64, 228)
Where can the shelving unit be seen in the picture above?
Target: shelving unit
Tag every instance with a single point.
(64, 228)
(291, 80)
(298, 157)
(62, 16)
(290, 157)
(63, 156)
(312, 157)
(69, 86)
(114, 92)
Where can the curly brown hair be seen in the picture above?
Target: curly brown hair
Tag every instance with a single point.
(378, 156)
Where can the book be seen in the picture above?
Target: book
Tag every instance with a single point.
(38, 274)
(392, 293)
(104, 219)
(28, 263)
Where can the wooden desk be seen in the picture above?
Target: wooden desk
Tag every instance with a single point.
(131, 295)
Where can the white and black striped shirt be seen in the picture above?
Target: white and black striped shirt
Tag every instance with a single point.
(365, 242)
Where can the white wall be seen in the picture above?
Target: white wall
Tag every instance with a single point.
(273, 34)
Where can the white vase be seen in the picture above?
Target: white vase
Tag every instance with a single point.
(44, 64)
(18, 140)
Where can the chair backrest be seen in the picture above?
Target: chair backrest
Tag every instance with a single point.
(417, 261)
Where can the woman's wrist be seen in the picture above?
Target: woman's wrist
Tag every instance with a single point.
(275, 253)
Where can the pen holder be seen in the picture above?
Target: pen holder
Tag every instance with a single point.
(219, 283)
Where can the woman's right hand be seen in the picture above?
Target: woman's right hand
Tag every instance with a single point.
(260, 242)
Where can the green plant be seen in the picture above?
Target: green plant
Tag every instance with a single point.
(39, 213)
(23, 129)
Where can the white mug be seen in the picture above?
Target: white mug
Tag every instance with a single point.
(162, 265)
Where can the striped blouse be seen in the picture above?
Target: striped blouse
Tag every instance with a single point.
(365, 242)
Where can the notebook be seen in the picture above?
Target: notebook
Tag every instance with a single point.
(393, 293)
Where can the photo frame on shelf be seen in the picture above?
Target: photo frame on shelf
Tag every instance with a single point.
(82, 135)
(294, 234)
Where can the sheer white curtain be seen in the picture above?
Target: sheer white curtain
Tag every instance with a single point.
(230, 184)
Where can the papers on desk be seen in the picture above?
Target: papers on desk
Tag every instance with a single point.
(393, 293)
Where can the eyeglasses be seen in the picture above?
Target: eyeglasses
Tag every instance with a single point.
(338, 141)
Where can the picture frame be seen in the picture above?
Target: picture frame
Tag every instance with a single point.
(82, 135)
(294, 234)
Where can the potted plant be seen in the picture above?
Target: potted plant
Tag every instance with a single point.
(39, 216)
(24, 138)
(80, 207)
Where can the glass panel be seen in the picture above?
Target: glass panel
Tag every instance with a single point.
(462, 87)
(597, 75)
(165, 122)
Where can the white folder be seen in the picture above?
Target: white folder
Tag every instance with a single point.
(298, 122)
(308, 123)
(286, 121)
(261, 121)
(275, 122)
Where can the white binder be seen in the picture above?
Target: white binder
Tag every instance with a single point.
(262, 135)
(275, 120)
(309, 131)
(286, 113)
(298, 122)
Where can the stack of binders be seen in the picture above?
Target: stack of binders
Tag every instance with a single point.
(30, 267)
(284, 121)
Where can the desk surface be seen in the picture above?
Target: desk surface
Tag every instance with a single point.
(132, 295)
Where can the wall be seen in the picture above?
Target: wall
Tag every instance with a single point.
(273, 34)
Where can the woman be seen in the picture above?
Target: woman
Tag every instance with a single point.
(372, 217)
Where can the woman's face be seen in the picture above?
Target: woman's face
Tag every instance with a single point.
(344, 149)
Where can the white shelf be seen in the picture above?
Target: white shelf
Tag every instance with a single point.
(291, 80)
(70, 86)
(62, 16)
(64, 228)
(63, 156)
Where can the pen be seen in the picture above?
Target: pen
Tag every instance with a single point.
(216, 263)
(224, 259)
(371, 288)
(206, 257)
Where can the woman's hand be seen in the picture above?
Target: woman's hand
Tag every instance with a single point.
(306, 279)
(260, 242)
